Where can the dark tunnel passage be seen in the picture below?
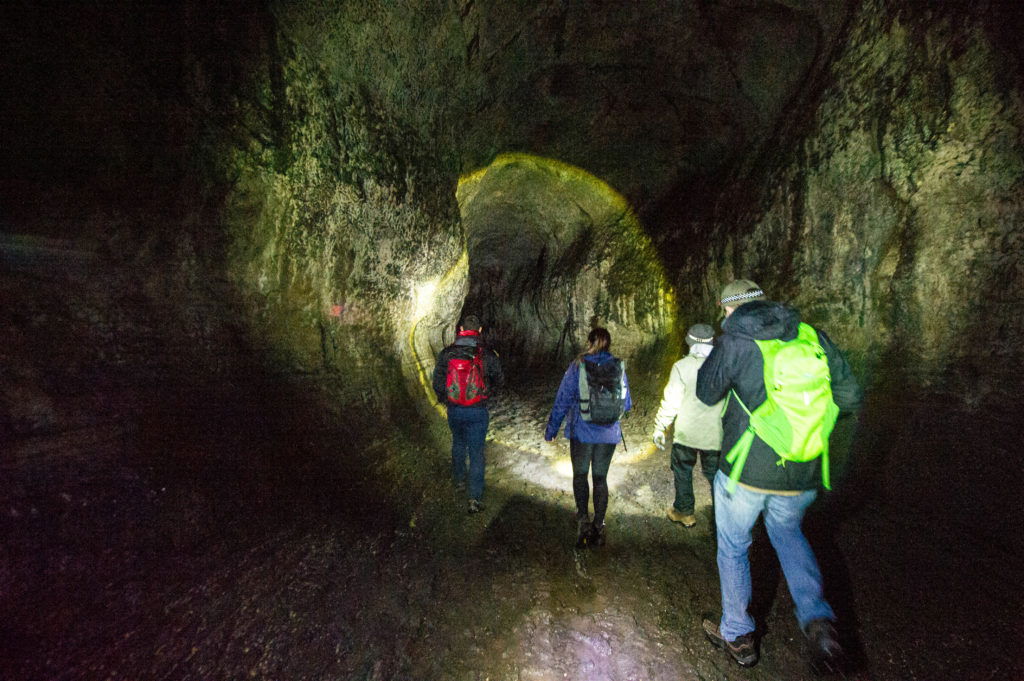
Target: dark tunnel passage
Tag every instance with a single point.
(552, 252)
(234, 236)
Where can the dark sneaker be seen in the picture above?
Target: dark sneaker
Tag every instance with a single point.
(742, 649)
(475, 506)
(826, 653)
(583, 531)
(597, 535)
(460, 485)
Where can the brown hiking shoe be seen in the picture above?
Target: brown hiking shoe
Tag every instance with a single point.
(684, 519)
(742, 649)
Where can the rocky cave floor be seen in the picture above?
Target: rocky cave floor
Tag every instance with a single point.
(120, 571)
(221, 547)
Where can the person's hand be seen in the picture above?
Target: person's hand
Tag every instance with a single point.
(659, 439)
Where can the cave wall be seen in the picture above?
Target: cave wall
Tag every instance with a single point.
(339, 212)
(298, 165)
(895, 221)
(892, 218)
(361, 112)
(257, 209)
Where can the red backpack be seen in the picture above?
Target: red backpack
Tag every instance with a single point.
(465, 383)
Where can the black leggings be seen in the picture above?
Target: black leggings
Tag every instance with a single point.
(598, 457)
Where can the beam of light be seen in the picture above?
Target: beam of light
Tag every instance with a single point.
(423, 299)
(424, 296)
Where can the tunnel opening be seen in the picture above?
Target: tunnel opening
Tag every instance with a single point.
(553, 251)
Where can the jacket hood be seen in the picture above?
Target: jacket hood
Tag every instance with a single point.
(600, 357)
(763, 320)
(471, 338)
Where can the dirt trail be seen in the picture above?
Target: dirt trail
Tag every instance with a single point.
(136, 550)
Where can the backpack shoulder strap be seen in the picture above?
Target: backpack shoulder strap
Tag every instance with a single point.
(808, 333)
(584, 387)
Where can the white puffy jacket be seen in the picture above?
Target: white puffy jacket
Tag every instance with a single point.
(697, 425)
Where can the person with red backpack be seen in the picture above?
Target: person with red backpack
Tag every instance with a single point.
(465, 375)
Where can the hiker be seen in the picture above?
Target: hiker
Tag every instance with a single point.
(778, 480)
(465, 375)
(592, 426)
(698, 427)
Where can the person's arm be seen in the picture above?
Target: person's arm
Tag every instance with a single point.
(564, 400)
(846, 391)
(670, 400)
(714, 379)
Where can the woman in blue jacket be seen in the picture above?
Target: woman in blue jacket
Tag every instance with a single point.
(590, 444)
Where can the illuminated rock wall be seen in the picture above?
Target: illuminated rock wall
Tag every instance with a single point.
(895, 223)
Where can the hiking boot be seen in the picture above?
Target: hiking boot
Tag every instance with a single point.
(583, 531)
(597, 535)
(742, 649)
(826, 653)
(684, 519)
(475, 506)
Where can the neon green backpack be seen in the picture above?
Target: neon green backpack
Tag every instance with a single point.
(798, 415)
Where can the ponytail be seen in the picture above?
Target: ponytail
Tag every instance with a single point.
(597, 340)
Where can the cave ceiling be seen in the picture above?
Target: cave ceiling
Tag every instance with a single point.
(647, 96)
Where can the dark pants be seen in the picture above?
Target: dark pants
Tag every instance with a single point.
(681, 461)
(469, 429)
(597, 458)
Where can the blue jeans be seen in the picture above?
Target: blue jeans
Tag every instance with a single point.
(469, 429)
(735, 515)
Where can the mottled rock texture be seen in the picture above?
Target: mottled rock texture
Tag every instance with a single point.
(312, 149)
(895, 219)
(892, 219)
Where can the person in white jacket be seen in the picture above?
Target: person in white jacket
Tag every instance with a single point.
(698, 427)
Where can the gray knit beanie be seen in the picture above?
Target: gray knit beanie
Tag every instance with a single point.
(700, 333)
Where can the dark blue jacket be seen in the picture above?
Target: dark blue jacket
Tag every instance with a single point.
(736, 364)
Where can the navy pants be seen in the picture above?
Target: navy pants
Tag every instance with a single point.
(469, 430)
(682, 461)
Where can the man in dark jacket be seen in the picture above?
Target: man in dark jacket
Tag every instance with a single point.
(468, 423)
(781, 492)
